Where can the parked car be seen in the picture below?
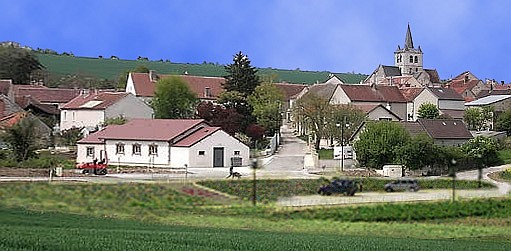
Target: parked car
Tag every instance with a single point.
(402, 185)
(346, 187)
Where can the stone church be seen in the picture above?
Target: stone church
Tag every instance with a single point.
(408, 70)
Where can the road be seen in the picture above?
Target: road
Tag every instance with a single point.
(288, 163)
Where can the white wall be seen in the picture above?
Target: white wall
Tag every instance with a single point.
(144, 159)
(380, 113)
(217, 139)
(451, 104)
(80, 118)
(424, 97)
(130, 86)
(81, 152)
(129, 107)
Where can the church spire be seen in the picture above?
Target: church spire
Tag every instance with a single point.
(408, 40)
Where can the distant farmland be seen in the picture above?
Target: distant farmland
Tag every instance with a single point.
(106, 68)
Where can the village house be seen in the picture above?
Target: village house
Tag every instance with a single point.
(171, 143)
(468, 85)
(444, 132)
(143, 85)
(291, 92)
(448, 101)
(499, 103)
(93, 109)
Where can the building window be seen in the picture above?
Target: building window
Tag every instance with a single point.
(416, 69)
(202, 153)
(65, 115)
(416, 59)
(385, 119)
(411, 59)
(73, 116)
(236, 152)
(207, 92)
(136, 149)
(90, 152)
(153, 149)
(119, 148)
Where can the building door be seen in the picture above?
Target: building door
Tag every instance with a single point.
(218, 157)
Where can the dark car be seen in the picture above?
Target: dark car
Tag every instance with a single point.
(346, 187)
(402, 185)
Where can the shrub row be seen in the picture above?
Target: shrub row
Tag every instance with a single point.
(271, 190)
(493, 208)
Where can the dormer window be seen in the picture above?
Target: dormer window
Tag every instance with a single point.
(416, 59)
(207, 92)
(411, 59)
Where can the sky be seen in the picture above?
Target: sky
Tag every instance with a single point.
(317, 35)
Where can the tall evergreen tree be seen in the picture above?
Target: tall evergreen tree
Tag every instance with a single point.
(241, 75)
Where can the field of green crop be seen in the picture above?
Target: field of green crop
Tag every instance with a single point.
(163, 216)
(25, 230)
(106, 68)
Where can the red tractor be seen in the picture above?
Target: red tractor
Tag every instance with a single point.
(98, 168)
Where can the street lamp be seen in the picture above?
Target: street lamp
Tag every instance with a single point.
(479, 169)
(453, 175)
(342, 141)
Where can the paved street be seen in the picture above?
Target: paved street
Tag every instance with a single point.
(288, 162)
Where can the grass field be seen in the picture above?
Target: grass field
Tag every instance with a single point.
(74, 216)
(25, 230)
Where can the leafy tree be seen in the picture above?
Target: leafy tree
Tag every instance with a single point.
(473, 118)
(266, 102)
(314, 112)
(226, 118)
(256, 133)
(238, 102)
(417, 153)
(482, 150)
(173, 99)
(17, 64)
(478, 118)
(120, 120)
(504, 122)
(345, 120)
(22, 138)
(379, 142)
(70, 136)
(428, 111)
(241, 76)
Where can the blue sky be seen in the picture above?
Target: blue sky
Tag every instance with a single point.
(337, 36)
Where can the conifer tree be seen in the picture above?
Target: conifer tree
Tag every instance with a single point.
(241, 75)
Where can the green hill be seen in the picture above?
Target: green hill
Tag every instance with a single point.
(106, 68)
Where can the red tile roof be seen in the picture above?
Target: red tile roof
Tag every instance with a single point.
(46, 95)
(145, 129)
(12, 119)
(145, 87)
(411, 93)
(380, 93)
(196, 137)
(290, 90)
(28, 102)
(460, 85)
(95, 101)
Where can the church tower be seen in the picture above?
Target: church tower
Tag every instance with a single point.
(408, 59)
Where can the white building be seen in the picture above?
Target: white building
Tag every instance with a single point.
(171, 143)
(91, 110)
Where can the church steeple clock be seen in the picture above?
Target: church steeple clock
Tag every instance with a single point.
(408, 59)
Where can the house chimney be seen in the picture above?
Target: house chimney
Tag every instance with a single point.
(153, 77)
(388, 106)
